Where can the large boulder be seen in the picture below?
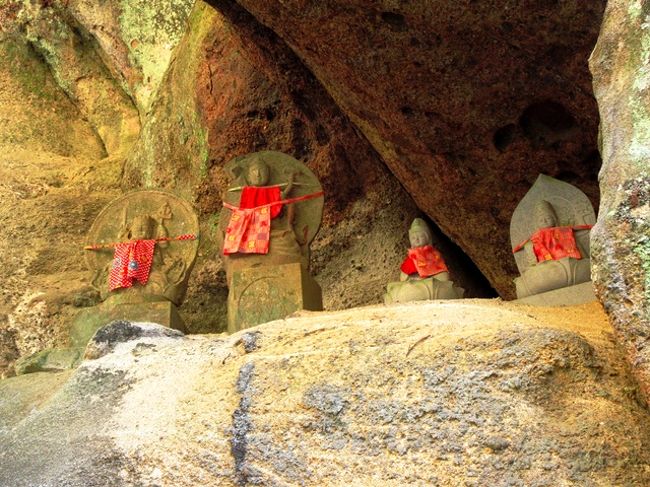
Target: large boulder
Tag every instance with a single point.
(466, 102)
(621, 238)
(483, 393)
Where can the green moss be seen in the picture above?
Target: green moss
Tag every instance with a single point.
(151, 30)
(27, 69)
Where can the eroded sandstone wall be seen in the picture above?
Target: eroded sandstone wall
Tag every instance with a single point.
(621, 239)
(465, 105)
(66, 124)
(234, 87)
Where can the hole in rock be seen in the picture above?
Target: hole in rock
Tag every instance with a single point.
(567, 176)
(394, 20)
(546, 123)
(593, 162)
(504, 136)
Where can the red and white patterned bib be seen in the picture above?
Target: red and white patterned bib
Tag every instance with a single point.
(131, 262)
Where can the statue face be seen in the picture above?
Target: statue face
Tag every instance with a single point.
(141, 228)
(545, 216)
(419, 239)
(258, 174)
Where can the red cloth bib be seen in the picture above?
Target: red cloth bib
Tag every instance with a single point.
(249, 228)
(131, 262)
(554, 243)
(254, 196)
(426, 261)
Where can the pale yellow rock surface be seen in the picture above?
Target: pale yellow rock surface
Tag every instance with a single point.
(444, 393)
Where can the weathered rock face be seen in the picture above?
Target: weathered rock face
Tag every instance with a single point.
(49, 158)
(66, 124)
(466, 102)
(80, 73)
(429, 394)
(135, 39)
(621, 238)
(77, 81)
(232, 88)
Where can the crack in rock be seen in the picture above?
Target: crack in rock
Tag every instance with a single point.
(241, 422)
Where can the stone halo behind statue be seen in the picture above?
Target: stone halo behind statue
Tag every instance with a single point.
(146, 214)
(294, 230)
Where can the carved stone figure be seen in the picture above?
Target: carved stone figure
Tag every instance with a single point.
(423, 274)
(272, 211)
(549, 232)
(141, 249)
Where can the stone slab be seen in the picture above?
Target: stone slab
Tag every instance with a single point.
(262, 294)
(92, 319)
(566, 296)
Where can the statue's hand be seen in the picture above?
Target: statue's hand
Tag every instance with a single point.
(291, 177)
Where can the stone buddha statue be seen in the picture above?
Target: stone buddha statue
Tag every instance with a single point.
(272, 211)
(141, 250)
(423, 274)
(253, 231)
(551, 248)
(167, 271)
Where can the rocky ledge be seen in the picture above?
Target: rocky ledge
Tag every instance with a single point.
(425, 394)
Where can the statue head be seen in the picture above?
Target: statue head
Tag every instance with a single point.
(142, 227)
(258, 173)
(420, 233)
(545, 216)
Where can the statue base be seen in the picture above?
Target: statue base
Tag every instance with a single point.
(421, 290)
(565, 296)
(89, 320)
(262, 294)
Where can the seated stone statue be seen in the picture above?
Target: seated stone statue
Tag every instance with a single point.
(257, 232)
(554, 252)
(142, 268)
(141, 249)
(272, 211)
(424, 274)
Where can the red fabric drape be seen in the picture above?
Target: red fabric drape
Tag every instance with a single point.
(249, 228)
(554, 243)
(131, 262)
(426, 261)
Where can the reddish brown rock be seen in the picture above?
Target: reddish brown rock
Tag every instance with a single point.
(466, 102)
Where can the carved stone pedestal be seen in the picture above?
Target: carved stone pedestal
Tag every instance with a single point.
(421, 290)
(566, 296)
(261, 294)
(161, 312)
